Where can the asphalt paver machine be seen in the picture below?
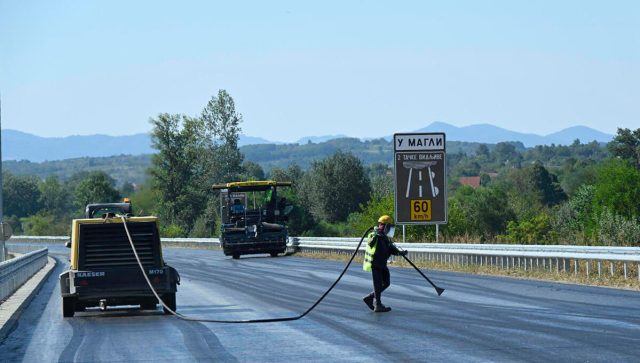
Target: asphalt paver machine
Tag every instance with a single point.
(253, 218)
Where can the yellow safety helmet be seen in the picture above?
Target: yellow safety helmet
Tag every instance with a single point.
(385, 219)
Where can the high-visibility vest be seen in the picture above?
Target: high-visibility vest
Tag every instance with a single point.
(370, 251)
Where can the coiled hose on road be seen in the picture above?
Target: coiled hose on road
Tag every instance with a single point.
(249, 321)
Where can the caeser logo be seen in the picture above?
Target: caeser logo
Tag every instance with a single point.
(90, 274)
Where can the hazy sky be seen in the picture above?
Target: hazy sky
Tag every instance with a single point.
(360, 68)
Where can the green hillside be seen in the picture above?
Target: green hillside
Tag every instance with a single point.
(132, 168)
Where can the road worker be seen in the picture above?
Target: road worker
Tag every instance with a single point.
(379, 247)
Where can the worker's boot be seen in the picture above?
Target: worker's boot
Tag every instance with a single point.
(369, 301)
(381, 308)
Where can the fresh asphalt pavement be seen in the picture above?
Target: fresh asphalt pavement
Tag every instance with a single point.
(477, 319)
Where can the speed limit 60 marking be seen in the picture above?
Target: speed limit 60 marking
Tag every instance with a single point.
(420, 209)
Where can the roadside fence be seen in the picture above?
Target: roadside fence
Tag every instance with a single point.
(578, 260)
(16, 271)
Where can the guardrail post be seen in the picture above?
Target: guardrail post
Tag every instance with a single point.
(625, 270)
(588, 265)
(599, 268)
(575, 266)
(612, 268)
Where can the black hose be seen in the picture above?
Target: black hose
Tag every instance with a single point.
(250, 321)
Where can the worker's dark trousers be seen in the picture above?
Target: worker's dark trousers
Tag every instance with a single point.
(381, 280)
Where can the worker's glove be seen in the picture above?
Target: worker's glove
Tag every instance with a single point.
(403, 253)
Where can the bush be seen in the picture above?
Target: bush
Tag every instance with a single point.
(43, 224)
(172, 231)
(615, 230)
(202, 228)
(359, 222)
(573, 221)
(536, 230)
(482, 211)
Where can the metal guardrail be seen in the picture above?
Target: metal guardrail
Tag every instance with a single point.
(40, 239)
(181, 242)
(567, 259)
(191, 242)
(588, 260)
(16, 271)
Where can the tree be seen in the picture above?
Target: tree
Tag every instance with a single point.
(484, 211)
(21, 195)
(54, 196)
(97, 187)
(222, 127)
(180, 169)
(145, 200)
(551, 192)
(531, 189)
(482, 149)
(252, 171)
(381, 186)
(194, 153)
(127, 189)
(626, 145)
(468, 167)
(618, 188)
(506, 153)
(293, 173)
(335, 187)
(300, 219)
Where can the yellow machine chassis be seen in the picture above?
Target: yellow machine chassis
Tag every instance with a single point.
(75, 232)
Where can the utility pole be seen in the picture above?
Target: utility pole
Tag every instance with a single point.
(3, 250)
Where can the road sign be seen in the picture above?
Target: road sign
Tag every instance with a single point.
(420, 178)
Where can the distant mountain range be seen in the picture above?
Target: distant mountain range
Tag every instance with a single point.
(489, 134)
(319, 139)
(17, 145)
